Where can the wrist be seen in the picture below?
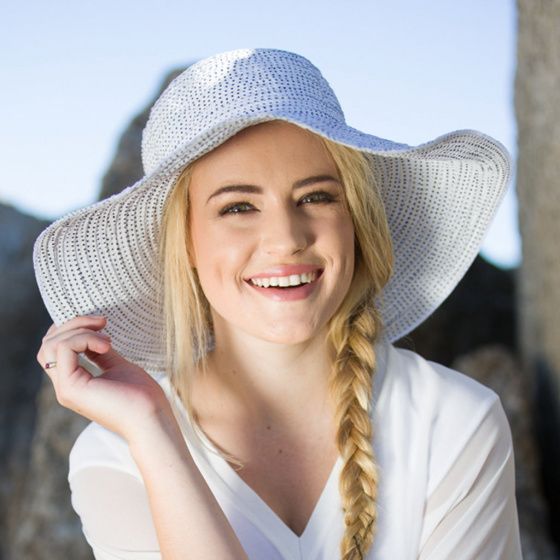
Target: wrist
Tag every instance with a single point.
(157, 437)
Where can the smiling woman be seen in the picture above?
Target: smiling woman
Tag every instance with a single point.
(259, 272)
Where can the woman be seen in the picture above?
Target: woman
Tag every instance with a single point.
(251, 274)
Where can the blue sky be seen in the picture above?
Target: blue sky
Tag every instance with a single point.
(75, 73)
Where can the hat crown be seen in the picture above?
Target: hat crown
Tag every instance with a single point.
(263, 84)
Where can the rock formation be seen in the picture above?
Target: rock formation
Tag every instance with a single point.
(47, 527)
(23, 319)
(126, 167)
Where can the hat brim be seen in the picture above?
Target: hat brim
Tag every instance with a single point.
(440, 198)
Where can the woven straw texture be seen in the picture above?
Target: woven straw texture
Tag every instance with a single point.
(440, 198)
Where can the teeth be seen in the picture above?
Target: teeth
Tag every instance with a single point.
(285, 281)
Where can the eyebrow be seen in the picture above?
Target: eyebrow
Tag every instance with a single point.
(315, 179)
(252, 189)
(242, 189)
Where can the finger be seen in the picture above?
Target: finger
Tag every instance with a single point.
(48, 351)
(93, 322)
(64, 349)
(68, 378)
(44, 357)
(81, 342)
(41, 356)
(68, 370)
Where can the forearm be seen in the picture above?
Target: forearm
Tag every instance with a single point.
(188, 520)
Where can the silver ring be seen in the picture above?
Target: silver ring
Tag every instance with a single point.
(50, 365)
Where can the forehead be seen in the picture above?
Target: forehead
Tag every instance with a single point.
(273, 149)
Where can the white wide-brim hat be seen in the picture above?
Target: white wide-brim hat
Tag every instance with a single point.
(439, 197)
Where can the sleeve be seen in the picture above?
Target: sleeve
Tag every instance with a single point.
(111, 499)
(471, 514)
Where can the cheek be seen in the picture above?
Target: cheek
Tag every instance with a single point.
(205, 243)
(218, 254)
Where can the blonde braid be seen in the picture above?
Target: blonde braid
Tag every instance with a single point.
(352, 385)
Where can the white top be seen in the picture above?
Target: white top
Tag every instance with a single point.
(446, 489)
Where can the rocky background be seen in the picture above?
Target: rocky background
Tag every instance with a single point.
(474, 331)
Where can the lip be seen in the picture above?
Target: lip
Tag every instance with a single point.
(287, 294)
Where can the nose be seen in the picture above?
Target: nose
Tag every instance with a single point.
(284, 232)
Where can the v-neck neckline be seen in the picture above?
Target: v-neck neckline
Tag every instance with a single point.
(255, 507)
(240, 496)
(257, 510)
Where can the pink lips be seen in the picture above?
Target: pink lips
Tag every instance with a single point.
(309, 276)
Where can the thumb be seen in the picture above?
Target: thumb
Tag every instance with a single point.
(86, 360)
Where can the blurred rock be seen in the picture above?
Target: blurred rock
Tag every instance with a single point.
(126, 167)
(48, 528)
(537, 109)
(480, 311)
(23, 320)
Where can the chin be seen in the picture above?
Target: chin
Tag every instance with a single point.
(290, 337)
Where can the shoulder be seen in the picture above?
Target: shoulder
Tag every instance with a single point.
(439, 413)
(110, 498)
(447, 405)
(430, 388)
(109, 495)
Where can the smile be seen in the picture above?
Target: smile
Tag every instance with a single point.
(285, 281)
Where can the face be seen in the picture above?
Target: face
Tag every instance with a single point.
(272, 238)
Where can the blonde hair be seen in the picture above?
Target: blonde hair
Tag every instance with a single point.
(352, 332)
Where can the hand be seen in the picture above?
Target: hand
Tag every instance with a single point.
(123, 398)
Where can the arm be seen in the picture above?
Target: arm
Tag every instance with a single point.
(186, 515)
(127, 401)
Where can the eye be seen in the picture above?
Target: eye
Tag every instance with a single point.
(237, 208)
(319, 196)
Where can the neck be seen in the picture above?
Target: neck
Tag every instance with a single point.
(270, 380)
